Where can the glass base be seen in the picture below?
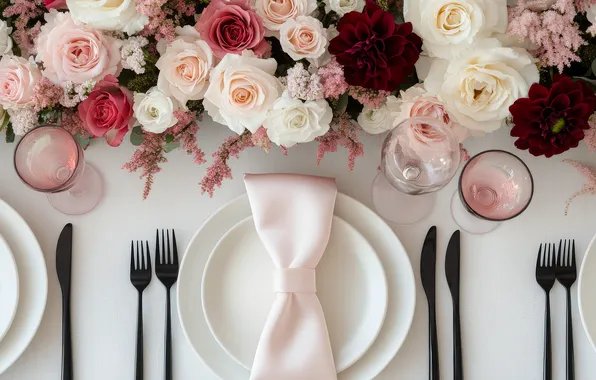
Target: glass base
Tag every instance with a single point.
(82, 197)
(399, 208)
(468, 222)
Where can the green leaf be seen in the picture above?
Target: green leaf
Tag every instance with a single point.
(589, 82)
(594, 67)
(84, 141)
(342, 104)
(169, 138)
(136, 136)
(171, 146)
(4, 121)
(9, 133)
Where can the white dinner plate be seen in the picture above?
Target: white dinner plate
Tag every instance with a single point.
(237, 292)
(33, 285)
(587, 292)
(9, 288)
(395, 261)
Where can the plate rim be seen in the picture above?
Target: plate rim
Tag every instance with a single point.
(16, 272)
(580, 290)
(407, 275)
(15, 350)
(375, 259)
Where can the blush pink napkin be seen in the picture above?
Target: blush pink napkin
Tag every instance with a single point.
(292, 215)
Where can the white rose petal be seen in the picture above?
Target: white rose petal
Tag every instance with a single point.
(275, 12)
(479, 87)
(184, 69)
(448, 27)
(242, 89)
(119, 15)
(292, 121)
(154, 111)
(304, 37)
(591, 14)
(341, 7)
(5, 40)
(375, 121)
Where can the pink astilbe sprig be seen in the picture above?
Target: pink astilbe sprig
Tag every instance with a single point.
(46, 94)
(220, 170)
(370, 98)
(185, 132)
(590, 134)
(72, 123)
(553, 31)
(588, 188)
(160, 24)
(332, 79)
(342, 133)
(261, 139)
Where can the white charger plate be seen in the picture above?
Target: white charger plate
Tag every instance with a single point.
(33, 285)
(400, 281)
(237, 292)
(586, 296)
(9, 287)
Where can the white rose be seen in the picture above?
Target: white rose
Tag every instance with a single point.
(120, 15)
(379, 120)
(154, 110)
(242, 89)
(5, 40)
(448, 27)
(304, 37)
(479, 87)
(275, 12)
(292, 121)
(184, 69)
(591, 14)
(341, 7)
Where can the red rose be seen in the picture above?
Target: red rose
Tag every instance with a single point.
(55, 4)
(108, 111)
(376, 52)
(232, 27)
(552, 120)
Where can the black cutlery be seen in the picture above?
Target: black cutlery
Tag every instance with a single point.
(140, 277)
(63, 269)
(452, 271)
(545, 276)
(166, 269)
(567, 274)
(428, 262)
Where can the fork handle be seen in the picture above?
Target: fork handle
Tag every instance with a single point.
(140, 363)
(168, 375)
(570, 354)
(547, 340)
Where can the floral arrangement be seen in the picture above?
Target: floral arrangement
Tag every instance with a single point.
(283, 72)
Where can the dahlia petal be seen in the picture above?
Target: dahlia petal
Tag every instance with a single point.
(361, 31)
(383, 24)
(561, 102)
(538, 91)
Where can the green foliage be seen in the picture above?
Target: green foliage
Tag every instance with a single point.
(84, 140)
(171, 146)
(195, 106)
(136, 136)
(9, 133)
(141, 82)
(169, 139)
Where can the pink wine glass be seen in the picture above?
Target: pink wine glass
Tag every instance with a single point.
(419, 157)
(50, 160)
(494, 186)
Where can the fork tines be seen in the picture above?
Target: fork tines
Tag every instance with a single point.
(566, 263)
(140, 263)
(545, 266)
(166, 262)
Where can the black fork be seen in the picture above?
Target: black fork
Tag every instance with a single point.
(140, 276)
(166, 269)
(545, 276)
(567, 274)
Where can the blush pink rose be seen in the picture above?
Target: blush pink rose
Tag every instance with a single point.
(55, 4)
(108, 111)
(232, 27)
(18, 78)
(75, 53)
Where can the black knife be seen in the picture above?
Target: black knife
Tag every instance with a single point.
(452, 268)
(63, 268)
(428, 264)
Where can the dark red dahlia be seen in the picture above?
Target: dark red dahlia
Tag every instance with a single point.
(552, 120)
(376, 52)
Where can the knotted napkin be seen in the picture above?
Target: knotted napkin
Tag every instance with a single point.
(292, 215)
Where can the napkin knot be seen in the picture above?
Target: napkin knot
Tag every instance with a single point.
(295, 280)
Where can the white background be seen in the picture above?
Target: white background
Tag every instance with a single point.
(502, 306)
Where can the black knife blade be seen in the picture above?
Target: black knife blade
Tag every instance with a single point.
(428, 265)
(64, 269)
(452, 272)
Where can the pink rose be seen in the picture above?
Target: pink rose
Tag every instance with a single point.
(75, 53)
(55, 4)
(108, 111)
(232, 27)
(18, 78)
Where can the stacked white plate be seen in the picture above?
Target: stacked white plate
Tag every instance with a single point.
(23, 286)
(365, 284)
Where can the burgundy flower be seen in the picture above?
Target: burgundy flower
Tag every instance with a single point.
(376, 53)
(552, 120)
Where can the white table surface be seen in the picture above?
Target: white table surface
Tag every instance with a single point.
(502, 306)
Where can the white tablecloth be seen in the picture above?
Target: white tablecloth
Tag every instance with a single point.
(502, 306)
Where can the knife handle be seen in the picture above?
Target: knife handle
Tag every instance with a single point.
(66, 339)
(433, 345)
(458, 370)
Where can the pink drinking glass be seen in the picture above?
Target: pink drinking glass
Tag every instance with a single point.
(420, 156)
(494, 186)
(50, 160)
